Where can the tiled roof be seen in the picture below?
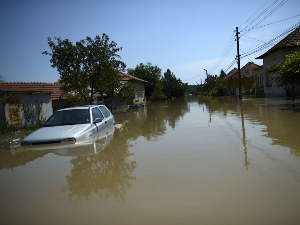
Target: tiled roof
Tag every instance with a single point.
(246, 71)
(32, 87)
(52, 88)
(289, 41)
(127, 77)
(231, 73)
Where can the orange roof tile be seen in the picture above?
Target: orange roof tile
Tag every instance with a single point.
(127, 77)
(246, 71)
(231, 73)
(51, 88)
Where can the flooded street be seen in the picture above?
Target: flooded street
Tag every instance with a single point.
(189, 161)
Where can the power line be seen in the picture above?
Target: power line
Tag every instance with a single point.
(231, 64)
(252, 16)
(246, 56)
(272, 11)
(272, 41)
(270, 23)
(224, 54)
(254, 39)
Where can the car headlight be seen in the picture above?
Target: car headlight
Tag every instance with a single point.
(68, 141)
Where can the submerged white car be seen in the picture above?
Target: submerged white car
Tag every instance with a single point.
(72, 126)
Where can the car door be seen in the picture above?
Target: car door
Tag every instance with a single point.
(108, 117)
(101, 125)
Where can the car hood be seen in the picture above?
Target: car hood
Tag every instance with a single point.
(55, 133)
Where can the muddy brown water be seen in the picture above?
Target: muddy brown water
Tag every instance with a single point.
(189, 161)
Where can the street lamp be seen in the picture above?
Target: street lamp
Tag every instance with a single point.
(206, 81)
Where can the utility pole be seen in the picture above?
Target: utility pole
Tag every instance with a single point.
(239, 68)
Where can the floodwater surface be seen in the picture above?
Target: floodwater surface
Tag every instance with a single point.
(188, 161)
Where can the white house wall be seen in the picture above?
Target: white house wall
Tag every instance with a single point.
(35, 107)
(140, 97)
(274, 58)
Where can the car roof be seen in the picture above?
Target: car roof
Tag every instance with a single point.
(80, 107)
(76, 107)
(93, 105)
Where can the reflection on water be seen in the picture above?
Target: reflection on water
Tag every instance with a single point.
(193, 160)
(279, 116)
(108, 173)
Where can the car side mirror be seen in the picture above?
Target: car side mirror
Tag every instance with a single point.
(97, 120)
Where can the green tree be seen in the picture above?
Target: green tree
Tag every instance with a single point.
(215, 85)
(287, 72)
(172, 86)
(87, 67)
(126, 93)
(152, 74)
(222, 74)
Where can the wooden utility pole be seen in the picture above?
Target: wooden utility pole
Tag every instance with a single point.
(239, 68)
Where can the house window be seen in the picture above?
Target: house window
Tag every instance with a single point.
(259, 80)
(268, 80)
(136, 97)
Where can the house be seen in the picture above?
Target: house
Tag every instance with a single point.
(275, 55)
(247, 75)
(140, 98)
(27, 103)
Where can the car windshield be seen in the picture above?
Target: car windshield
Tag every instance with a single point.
(69, 117)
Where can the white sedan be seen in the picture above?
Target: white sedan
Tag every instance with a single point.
(72, 126)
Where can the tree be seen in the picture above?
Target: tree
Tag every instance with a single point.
(87, 67)
(126, 93)
(152, 74)
(215, 85)
(287, 72)
(172, 86)
(222, 74)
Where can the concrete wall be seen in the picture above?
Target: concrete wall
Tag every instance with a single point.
(31, 108)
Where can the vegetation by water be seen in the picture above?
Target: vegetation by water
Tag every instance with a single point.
(10, 132)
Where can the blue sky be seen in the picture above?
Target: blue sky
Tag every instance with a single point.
(183, 36)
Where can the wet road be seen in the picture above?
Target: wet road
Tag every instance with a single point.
(191, 161)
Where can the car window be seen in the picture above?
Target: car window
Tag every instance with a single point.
(69, 117)
(96, 113)
(105, 111)
(55, 119)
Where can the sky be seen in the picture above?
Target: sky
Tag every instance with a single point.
(187, 37)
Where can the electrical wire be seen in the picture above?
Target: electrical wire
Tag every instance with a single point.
(272, 11)
(272, 41)
(269, 24)
(224, 54)
(230, 65)
(264, 12)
